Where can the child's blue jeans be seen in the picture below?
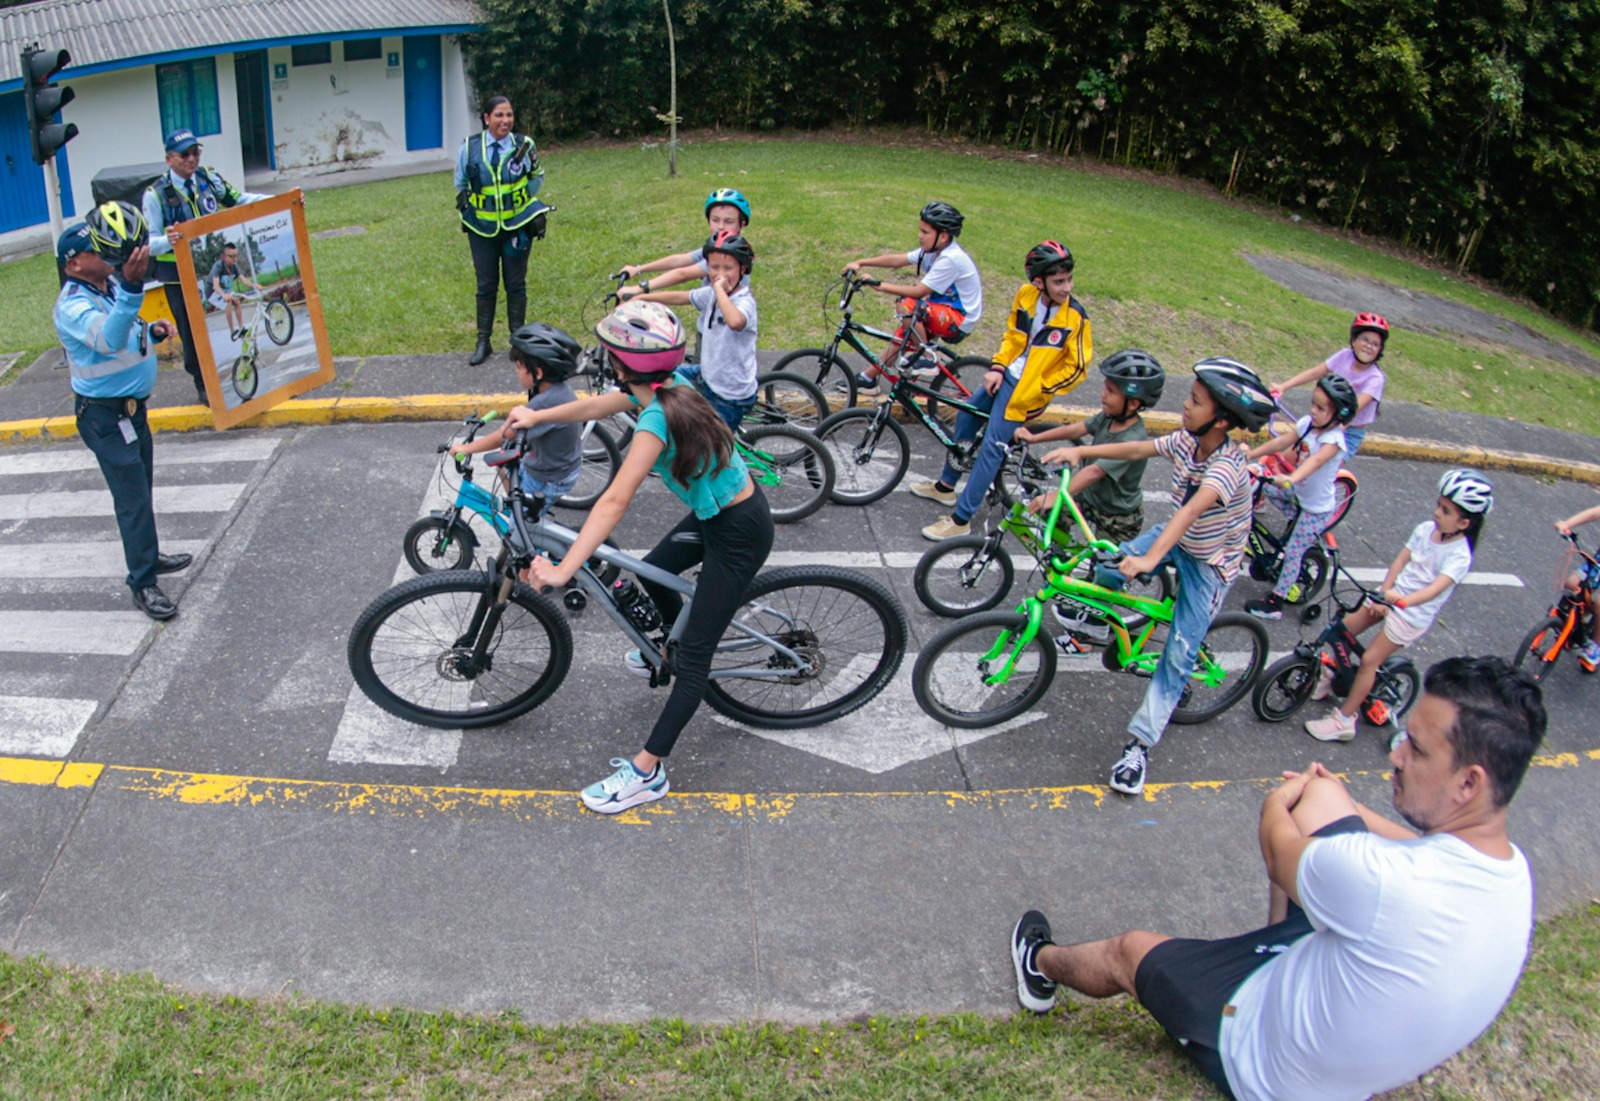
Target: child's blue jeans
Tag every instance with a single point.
(731, 412)
(1201, 592)
(986, 463)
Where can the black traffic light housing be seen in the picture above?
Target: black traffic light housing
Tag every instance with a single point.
(43, 99)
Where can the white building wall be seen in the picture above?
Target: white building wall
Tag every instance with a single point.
(351, 114)
(118, 115)
(461, 117)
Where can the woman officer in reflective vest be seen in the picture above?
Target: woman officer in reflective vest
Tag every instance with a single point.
(497, 176)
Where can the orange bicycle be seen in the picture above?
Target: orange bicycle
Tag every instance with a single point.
(1566, 626)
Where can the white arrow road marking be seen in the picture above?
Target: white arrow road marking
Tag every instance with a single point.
(55, 632)
(97, 502)
(244, 449)
(38, 726)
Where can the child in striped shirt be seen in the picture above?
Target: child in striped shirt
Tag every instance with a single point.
(1204, 541)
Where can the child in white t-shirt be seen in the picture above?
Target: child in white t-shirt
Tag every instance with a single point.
(1309, 490)
(1436, 558)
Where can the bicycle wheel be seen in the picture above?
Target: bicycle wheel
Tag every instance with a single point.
(601, 461)
(280, 322)
(848, 628)
(961, 576)
(832, 374)
(1313, 573)
(1231, 657)
(870, 455)
(433, 544)
(1540, 649)
(1344, 492)
(410, 651)
(968, 372)
(785, 398)
(1285, 687)
(1399, 685)
(245, 377)
(794, 470)
(951, 678)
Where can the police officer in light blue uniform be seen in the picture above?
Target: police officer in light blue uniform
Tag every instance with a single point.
(112, 360)
(185, 190)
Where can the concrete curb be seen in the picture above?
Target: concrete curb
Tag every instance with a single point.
(450, 407)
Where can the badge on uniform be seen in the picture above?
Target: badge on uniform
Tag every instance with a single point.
(128, 433)
(209, 201)
(1054, 338)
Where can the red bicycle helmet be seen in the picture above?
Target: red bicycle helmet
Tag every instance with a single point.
(1370, 323)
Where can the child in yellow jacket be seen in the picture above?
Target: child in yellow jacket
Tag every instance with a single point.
(1045, 353)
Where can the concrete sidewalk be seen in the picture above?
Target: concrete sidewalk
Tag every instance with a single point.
(442, 387)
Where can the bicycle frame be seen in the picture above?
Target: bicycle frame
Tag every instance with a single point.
(850, 331)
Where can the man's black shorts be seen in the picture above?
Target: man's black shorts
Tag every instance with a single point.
(1185, 984)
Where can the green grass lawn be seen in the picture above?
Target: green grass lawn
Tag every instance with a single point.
(1159, 267)
(70, 1032)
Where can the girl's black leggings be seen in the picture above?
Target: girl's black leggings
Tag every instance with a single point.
(729, 548)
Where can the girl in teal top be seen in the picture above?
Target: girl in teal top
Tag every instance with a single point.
(681, 438)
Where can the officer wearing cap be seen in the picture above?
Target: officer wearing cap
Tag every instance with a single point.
(113, 363)
(185, 190)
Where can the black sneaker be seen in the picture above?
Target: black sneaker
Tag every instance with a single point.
(1127, 775)
(1034, 991)
(1268, 607)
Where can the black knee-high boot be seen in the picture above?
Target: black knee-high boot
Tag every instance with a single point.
(485, 327)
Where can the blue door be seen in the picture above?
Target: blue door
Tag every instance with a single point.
(22, 201)
(424, 93)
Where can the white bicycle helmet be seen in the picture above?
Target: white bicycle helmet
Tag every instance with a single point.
(1467, 489)
(645, 337)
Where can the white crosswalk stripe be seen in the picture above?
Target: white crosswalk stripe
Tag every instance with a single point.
(68, 631)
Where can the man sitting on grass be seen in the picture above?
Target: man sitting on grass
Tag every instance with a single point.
(1387, 952)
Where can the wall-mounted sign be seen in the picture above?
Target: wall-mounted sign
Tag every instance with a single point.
(280, 71)
(394, 60)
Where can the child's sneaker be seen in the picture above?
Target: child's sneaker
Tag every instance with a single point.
(1127, 775)
(865, 387)
(1078, 621)
(1335, 728)
(634, 662)
(932, 491)
(625, 788)
(1034, 991)
(946, 527)
(1268, 607)
(1071, 645)
(1324, 687)
(1589, 656)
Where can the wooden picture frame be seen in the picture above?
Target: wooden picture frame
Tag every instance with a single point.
(262, 340)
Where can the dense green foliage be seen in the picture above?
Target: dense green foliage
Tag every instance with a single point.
(1462, 128)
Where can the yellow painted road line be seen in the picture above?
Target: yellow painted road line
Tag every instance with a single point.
(201, 789)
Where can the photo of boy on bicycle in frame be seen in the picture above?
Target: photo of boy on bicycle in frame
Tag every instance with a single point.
(247, 272)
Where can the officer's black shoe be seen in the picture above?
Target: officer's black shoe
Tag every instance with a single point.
(482, 352)
(172, 563)
(154, 603)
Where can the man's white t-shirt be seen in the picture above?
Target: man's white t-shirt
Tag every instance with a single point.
(953, 277)
(1417, 946)
(1428, 561)
(1315, 493)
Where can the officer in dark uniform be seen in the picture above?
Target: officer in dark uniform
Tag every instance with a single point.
(185, 190)
(497, 176)
(112, 358)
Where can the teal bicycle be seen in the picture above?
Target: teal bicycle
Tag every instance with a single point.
(993, 666)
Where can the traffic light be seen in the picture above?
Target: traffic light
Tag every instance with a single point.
(43, 99)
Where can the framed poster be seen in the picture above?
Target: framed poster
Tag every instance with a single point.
(253, 305)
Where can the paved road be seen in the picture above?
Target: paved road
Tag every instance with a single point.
(214, 801)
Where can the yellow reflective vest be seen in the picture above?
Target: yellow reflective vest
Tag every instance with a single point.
(500, 197)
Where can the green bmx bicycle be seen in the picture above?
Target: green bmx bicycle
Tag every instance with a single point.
(987, 668)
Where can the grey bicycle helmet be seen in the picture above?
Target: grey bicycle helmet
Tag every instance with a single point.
(1342, 394)
(732, 244)
(1467, 489)
(553, 350)
(1046, 259)
(943, 217)
(117, 228)
(1238, 391)
(1136, 374)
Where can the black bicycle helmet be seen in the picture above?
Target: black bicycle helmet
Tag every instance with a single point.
(1136, 374)
(1046, 258)
(1342, 394)
(943, 217)
(549, 347)
(731, 244)
(1238, 391)
(117, 228)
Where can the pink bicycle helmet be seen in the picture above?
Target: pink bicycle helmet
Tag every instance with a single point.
(645, 337)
